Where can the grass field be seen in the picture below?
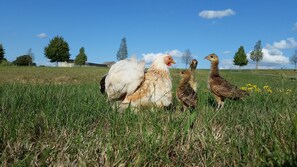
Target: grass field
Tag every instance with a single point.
(57, 117)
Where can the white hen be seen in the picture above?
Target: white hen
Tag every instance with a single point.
(126, 81)
(123, 78)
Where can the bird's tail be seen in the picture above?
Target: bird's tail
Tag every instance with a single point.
(102, 84)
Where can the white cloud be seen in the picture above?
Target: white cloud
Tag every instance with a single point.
(275, 57)
(283, 44)
(42, 35)
(294, 27)
(212, 14)
(227, 52)
(150, 57)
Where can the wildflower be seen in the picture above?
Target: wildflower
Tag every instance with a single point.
(243, 88)
(267, 89)
(249, 85)
(257, 89)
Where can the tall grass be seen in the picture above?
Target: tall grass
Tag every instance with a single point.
(70, 123)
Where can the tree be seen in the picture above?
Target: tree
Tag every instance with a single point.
(122, 52)
(293, 59)
(257, 54)
(24, 60)
(31, 54)
(81, 58)
(57, 50)
(2, 53)
(240, 58)
(187, 57)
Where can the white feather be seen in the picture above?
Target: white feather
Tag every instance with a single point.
(124, 77)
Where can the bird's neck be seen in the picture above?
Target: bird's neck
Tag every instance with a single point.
(214, 68)
(184, 80)
(159, 68)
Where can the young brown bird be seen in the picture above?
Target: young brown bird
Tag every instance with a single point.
(192, 81)
(186, 91)
(219, 87)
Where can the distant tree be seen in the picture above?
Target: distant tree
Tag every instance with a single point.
(57, 50)
(293, 59)
(240, 58)
(187, 57)
(31, 54)
(122, 52)
(24, 60)
(81, 58)
(257, 54)
(2, 53)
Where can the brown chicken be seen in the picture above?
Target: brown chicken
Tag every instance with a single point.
(219, 87)
(186, 91)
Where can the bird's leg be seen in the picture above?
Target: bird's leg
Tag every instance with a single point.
(184, 108)
(219, 101)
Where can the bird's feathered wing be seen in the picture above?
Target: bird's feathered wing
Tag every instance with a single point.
(123, 78)
(222, 88)
(187, 95)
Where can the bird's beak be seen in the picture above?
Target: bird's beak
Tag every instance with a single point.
(206, 58)
(172, 62)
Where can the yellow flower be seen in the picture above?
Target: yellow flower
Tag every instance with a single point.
(266, 87)
(249, 85)
(258, 90)
(249, 89)
(243, 88)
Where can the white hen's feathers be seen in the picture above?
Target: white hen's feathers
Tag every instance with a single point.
(124, 77)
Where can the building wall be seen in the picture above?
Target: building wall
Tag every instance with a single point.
(65, 64)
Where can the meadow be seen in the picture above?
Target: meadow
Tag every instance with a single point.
(58, 117)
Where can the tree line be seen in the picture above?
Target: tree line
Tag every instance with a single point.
(58, 51)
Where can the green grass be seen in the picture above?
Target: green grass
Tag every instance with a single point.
(57, 116)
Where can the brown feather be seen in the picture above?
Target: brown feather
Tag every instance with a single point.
(220, 87)
(185, 93)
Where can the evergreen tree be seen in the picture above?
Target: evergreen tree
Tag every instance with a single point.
(293, 59)
(187, 57)
(57, 50)
(257, 54)
(122, 52)
(240, 58)
(2, 53)
(81, 58)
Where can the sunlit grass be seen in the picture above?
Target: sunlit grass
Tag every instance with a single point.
(67, 122)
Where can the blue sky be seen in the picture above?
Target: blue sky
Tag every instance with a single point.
(152, 27)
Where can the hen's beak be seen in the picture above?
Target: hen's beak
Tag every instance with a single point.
(172, 62)
(206, 58)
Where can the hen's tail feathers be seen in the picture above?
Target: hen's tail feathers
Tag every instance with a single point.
(102, 84)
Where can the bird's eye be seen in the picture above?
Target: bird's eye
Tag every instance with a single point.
(211, 56)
